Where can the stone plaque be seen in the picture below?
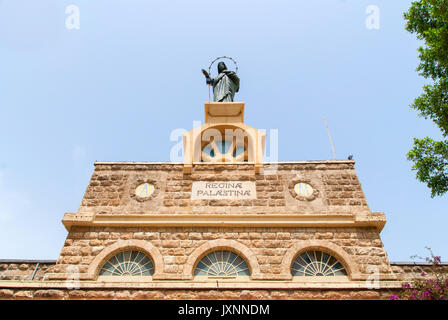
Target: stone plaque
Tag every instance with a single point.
(216, 190)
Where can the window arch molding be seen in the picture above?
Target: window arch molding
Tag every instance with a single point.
(222, 244)
(321, 245)
(123, 245)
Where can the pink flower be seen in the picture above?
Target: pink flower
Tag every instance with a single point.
(394, 297)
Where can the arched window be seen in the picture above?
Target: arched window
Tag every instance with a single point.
(128, 263)
(317, 264)
(223, 264)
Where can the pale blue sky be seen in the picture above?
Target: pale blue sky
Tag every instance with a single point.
(115, 89)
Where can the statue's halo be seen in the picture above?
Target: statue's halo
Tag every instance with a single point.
(221, 58)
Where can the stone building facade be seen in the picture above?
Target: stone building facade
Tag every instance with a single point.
(220, 225)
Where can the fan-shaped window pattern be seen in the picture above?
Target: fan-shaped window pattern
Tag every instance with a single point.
(227, 151)
(128, 263)
(317, 264)
(224, 264)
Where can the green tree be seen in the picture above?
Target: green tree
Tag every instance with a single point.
(428, 19)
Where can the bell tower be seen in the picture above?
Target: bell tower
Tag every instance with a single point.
(223, 138)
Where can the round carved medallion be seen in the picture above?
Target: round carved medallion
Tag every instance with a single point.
(303, 190)
(144, 190)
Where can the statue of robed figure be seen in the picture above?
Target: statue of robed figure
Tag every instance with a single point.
(225, 84)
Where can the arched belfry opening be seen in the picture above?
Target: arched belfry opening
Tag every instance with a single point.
(224, 144)
(223, 138)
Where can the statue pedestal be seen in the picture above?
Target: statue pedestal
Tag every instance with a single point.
(224, 112)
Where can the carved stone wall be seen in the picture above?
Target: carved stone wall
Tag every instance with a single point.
(269, 251)
(24, 269)
(112, 185)
(111, 218)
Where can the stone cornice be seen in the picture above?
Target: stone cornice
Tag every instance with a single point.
(376, 219)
